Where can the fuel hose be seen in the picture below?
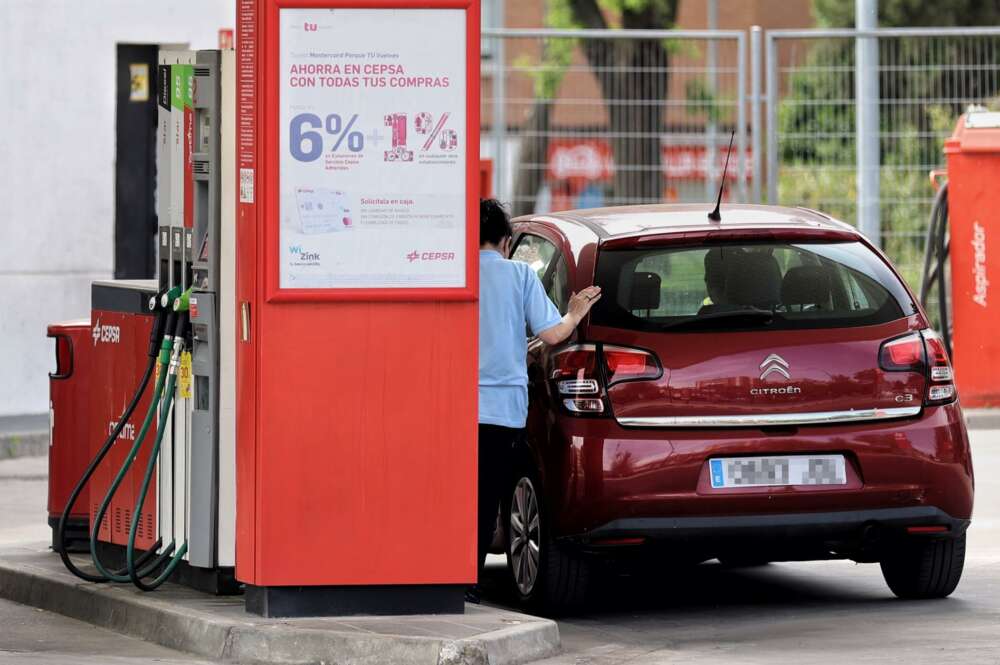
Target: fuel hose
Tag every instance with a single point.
(163, 359)
(936, 251)
(134, 574)
(156, 335)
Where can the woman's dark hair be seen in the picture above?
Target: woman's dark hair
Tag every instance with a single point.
(494, 222)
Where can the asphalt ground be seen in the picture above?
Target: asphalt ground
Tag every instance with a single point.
(815, 612)
(812, 612)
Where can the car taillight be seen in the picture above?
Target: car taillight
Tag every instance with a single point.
(942, 387)
(903, 354)
(922, 352)
(624, 364)
(574, 370)
(580, 381)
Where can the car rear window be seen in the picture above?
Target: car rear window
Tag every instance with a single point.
(742, 286)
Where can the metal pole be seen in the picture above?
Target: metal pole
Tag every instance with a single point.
(712, 64)
(772, 118)
(499, 116)
(756, 122)
(866, 99)
(741, 115)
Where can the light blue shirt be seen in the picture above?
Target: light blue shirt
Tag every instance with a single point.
(510, 295)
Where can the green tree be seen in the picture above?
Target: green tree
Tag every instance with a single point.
(640, 68)
(924, 84)
(637, 68)
(911, 13)
(555, 58)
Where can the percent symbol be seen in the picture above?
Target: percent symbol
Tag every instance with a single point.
(305, 141)
(425, 125)
(335, 127)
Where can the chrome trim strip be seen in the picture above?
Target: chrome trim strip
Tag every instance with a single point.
(815, 418)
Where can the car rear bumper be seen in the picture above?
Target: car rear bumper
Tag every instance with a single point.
(602, 476)
(842, 525)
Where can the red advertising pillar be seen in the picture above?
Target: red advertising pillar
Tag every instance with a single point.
(357, 329)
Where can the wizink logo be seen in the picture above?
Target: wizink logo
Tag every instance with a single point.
(106, 334)
(302, 255)
(980, 280)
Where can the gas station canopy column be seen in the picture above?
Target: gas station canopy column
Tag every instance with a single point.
(357, 330)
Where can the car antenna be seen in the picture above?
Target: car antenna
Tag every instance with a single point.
(715, 215)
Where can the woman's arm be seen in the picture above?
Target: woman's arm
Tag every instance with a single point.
(579, 304)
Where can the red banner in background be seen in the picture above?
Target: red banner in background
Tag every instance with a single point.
(592, 160)
(589, 159)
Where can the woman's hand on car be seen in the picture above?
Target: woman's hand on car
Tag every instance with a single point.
(580, 303)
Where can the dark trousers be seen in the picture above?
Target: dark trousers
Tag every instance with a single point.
(496, 450)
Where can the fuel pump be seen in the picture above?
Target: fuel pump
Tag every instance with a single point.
(175, 478)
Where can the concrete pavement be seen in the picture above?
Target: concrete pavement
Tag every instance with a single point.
(22, 436)
(23, 500)
(31, 636)
(218, 628)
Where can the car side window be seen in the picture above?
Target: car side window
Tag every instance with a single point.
(558, 287)
(536, 251)
(547, 262)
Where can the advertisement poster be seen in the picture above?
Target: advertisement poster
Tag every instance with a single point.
(372, 148)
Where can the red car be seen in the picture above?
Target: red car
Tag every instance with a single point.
(758, 389)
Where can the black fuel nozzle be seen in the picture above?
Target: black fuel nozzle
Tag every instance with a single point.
(159, 323)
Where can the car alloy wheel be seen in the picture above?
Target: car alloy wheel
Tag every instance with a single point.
(525, 535)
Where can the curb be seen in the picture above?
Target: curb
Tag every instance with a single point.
(154, 618)
(982, 418)
(24, 444)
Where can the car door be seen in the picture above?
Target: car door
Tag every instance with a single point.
(547, 260)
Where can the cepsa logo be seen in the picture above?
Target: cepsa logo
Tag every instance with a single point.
(106, 334)
(430, 256)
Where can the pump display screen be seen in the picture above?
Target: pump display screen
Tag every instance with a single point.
(372, 144)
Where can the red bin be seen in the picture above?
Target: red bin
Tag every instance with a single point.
(69, 447)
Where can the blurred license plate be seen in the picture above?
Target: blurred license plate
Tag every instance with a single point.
(777, 470)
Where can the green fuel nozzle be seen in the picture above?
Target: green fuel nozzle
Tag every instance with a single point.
(182, 303)
(167, 299)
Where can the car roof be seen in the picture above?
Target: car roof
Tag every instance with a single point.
(637, 220)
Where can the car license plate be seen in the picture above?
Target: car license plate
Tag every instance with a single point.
(777, 470)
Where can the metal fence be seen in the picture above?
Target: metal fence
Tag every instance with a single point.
(581, 118)
(924, 78)
(607, 117)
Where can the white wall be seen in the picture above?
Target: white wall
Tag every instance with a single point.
(57, 150)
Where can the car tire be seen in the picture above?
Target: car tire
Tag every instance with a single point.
(560, 579)
(921, 570)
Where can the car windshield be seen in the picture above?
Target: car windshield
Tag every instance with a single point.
(748, 286)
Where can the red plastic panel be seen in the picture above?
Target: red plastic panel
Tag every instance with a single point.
(118, 360)
(69, 385)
